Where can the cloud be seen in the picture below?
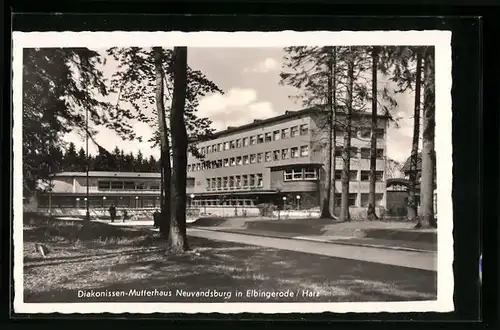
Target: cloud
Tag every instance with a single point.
(268, 65)
(239, 106)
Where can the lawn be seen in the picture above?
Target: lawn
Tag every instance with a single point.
(110, 263)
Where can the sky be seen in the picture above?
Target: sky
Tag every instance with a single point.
(250, 79)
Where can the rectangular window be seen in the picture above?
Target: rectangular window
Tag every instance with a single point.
(214, 183)
(285, 154)
(352, 199)
(310, 174)
(380, 133)
(353, 175)
(219, 183)
(154, 187)
(268, 156)
(379, 175)
(338, 174)
(232, 144)
(252, 180)
(245, 142)
(214, 148)
(232, 161)
(285, 133)
(276, 135)
(231, 182)
(260, 138)
(365, 153)
(365, 175)
(298, 174)
(245, 181)
(103, 185)
(238, 161)
(294, 131)
(364, 200)
(354, 152)
(129, 185)
(338, 151)
(219, 147)
(253, 140)
(198, 167)
(188, 168)
(288, 175)
(214, 164)
(304, 129)
(202, 150)
(294, 152)
(260, 157)
(226, 145)
(365, 133)
(219, 163)
(269, 137)
(245, 160)
(260, 182)
(380, 153)
(116, 185)
(238, 143)
(276, 155)
(304, 151)
(226, 162)
(203, 166)
(253, 158)
(209, 184)
(225, 183)
(238, 182)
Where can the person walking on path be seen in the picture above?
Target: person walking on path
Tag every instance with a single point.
(125, 215)
(112, 212)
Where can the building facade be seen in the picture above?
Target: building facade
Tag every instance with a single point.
(123, 189)
(281, 160)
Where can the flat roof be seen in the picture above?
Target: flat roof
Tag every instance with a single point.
(109, 174)
(287, 115)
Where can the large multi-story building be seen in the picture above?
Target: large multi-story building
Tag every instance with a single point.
(282, 160)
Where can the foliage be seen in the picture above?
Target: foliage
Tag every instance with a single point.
(135, 84)
(59, 86)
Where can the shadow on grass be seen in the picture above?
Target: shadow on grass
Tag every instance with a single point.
(232, 267)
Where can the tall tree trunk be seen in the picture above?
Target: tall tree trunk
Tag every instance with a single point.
(164, 145)
(334, 130)
(373, 137)
(177, 235)
(412, 191)
(346, 152)
(428, 152)
(327, 203)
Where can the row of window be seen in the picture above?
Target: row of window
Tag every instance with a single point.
(298, 174)
(363, 200)
(260, 157)
(364, 175)
(364, 132)
(363, 152)
(244, 181)
(257, 139)
(353, 201)
(98, 201)
(126, 185)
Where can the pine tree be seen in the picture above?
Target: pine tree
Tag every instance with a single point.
(58, 83)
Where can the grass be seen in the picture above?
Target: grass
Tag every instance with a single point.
(116, 259)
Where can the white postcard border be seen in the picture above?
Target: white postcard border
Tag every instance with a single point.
(440, 39)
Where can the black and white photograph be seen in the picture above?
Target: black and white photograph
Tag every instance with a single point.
(231, 172)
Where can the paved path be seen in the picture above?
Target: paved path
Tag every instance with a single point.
(418, 260)
(409, 259)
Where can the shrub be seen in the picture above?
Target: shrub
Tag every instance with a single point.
(266, 209)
